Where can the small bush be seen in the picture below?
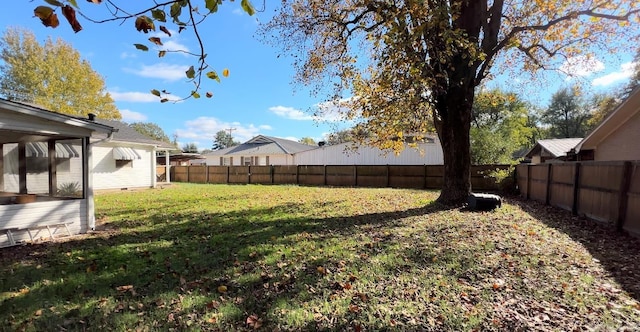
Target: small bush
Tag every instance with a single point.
(504, 179)
(69, 189)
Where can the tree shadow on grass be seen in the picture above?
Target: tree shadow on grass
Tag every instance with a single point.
(617, 252)
(138, 277)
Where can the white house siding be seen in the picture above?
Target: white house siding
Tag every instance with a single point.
(283, 159)
(107, 176)
(46, 212)
(622, 144)
(342, 155)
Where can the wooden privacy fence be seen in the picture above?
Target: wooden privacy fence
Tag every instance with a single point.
(604, 191)
(396, 176)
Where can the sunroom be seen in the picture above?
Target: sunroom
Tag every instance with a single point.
(45, 187)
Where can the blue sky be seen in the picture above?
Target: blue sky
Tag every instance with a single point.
(258, 97)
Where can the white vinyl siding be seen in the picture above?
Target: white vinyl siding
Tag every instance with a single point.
(107, 175)
(341, 154)
(44, 212)
(622, 144)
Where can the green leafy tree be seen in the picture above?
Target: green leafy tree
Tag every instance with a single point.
(190, 148)
(414, 65)
(307, 141)
(223, 140)
(499, 127)
(177, 15)
(151, 129)
(567, 115)
(601, 106)
(52, 75)
(355, 134)
(634, 81)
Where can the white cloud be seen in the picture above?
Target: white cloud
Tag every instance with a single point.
(139, 97)
(203, 130)
(131, 116)
(332, 111)
(165, 71)
(170, 43)
(328, 111)
(290, 113)
(626, 71)
(581, 66)
(126, 55)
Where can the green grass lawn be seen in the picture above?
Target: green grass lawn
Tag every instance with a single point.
(218, 257)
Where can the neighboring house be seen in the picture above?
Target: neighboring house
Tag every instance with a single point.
(46, 181)
(428, 152)
(127, 159)
(182, 159)
(260, 150)
(551, 150)
(617, 137)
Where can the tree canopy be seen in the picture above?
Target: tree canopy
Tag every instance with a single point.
(223, 140)
(52, 75)
(307, 141)
(413, 65)
(190, 148)
(567, 115)
(152, 130)
(500, 126)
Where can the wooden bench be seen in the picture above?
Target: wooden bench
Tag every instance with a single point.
(9, 231)
(48, 227)
(9, 234)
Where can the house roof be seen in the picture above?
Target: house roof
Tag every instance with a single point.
(557, 147)
(32, 110)
(263, 145)
(127, 134)
(627, 109)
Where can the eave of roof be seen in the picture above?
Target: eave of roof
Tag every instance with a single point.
(627, 109)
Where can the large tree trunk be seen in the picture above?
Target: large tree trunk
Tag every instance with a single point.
(453, 130)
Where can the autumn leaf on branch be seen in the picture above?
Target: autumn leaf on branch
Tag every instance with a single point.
(165, 30)
(145, 24)
(183, 14)
(70, 14)
(156, 41)
(47, 16)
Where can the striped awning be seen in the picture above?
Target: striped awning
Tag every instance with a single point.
(124, 153)
(41, 150)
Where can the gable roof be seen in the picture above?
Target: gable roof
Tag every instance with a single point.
(39, 112)
(261, 145)
(620, 115)
(557, 147)
(127, 134)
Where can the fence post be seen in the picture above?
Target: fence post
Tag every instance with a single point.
(249, 175)
(355, 175)
(547, 198)
(388, 180)
(271, 173)
(298, 174)
(576, 190)
(528, 193)
(206, 173)
(325, 176)
(623, 200)
(188, 174)
(228, 175)
(425, 176)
